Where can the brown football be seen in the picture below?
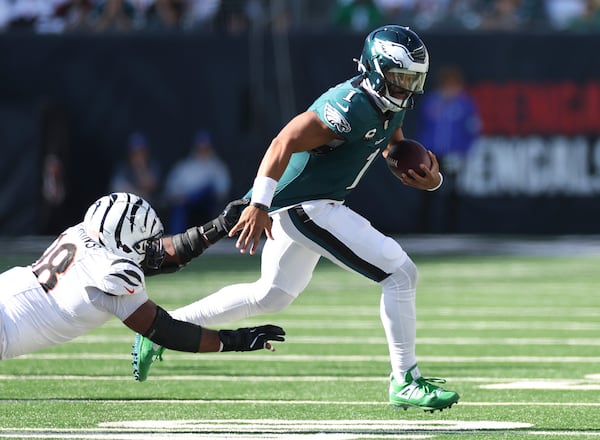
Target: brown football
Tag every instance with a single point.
(405, 155)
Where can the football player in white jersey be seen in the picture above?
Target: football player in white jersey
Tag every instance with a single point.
(96, 269)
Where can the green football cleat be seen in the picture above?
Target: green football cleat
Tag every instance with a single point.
(420, 392)
(144, 353)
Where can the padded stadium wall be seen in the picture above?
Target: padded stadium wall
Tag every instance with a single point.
(534, 171)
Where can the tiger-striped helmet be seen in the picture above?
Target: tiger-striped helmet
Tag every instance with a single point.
(128, 226)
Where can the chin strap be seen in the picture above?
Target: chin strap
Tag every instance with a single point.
(383, 104)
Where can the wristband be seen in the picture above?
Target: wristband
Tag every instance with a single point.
(260, 206)
(263, 190)
(439, 184)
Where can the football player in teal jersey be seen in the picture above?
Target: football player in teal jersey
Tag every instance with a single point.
(297, 199)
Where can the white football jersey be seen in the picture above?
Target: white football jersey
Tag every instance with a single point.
(75, 286)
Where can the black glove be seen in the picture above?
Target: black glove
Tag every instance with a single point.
(250, 339)
(231, 213)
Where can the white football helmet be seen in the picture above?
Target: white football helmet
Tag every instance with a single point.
(128, 226)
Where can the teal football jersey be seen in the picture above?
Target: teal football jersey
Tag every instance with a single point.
(332, 171)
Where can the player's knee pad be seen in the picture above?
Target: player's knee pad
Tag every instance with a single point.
(273, 300)
(403, 278)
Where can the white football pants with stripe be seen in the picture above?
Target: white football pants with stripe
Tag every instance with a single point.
(302, 235)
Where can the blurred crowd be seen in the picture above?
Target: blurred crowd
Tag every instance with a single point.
(194, 189)
(240, 16)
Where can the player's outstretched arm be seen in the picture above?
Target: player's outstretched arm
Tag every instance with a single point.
(181, 248)
(153, 322)
(303, 133)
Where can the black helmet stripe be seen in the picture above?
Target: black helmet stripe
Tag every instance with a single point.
(111, 202)
(146, 218)
(154, 222)
(134, 208)
(119, 228)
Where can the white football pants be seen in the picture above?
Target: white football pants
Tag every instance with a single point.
(302, 235)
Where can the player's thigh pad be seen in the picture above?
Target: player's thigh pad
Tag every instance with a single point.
(345, 237)
(286, 264)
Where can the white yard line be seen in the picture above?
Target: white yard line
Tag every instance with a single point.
(274, 357)
(337, 340)
(446, 325)
(536, 382)
(501, 311)
(382, 403)
(243, 429)
(355, 324)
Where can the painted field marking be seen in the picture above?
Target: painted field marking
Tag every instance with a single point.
(503, 311)
(239, 429)
(339, 340)
(284, 402)
(316, 426)
(375, 323)
(112, 435)
(216, 378)
(509, 325)
(490, 382)
(292, 434)
(471, 340)
(270, 357)
(590, 382)
(563, 434)
(548, 384)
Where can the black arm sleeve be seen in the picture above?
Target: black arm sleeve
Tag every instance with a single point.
(191, 244)
(194, 241)
(174, 334)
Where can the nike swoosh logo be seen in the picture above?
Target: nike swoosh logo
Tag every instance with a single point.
(377, 142)
(129, 290)
(345, 109)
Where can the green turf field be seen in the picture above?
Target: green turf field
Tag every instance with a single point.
(517, 337)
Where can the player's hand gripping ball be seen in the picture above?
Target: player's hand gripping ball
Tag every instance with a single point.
(405, 155)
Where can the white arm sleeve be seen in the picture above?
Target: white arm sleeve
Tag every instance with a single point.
(120, 306)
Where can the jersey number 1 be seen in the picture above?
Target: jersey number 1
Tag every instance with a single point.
(364, 169)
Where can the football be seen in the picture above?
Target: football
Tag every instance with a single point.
(405, 155)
